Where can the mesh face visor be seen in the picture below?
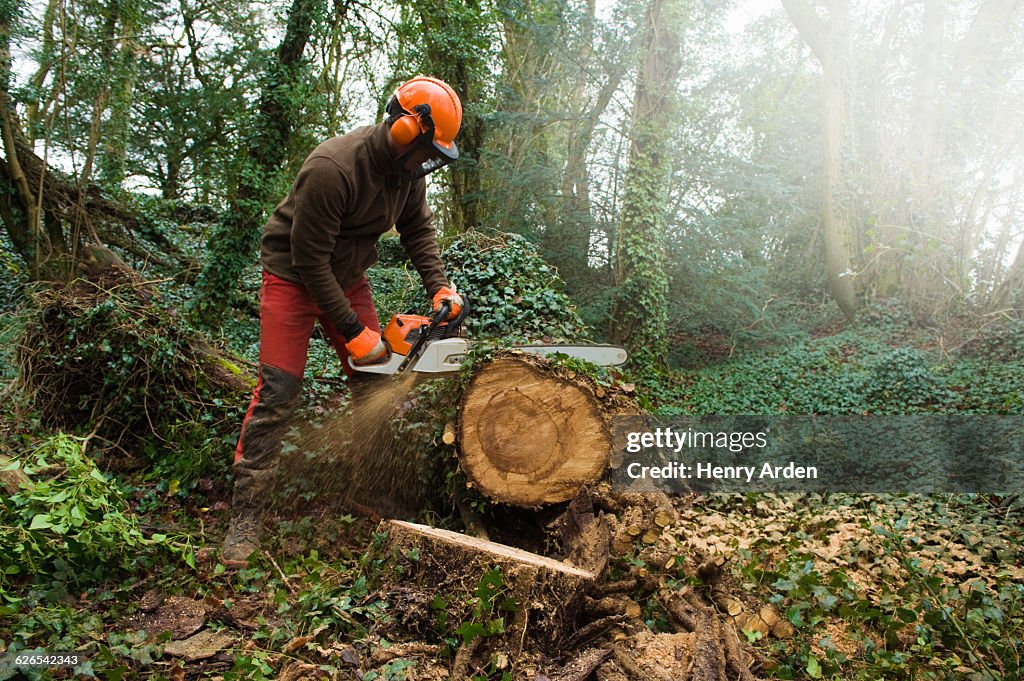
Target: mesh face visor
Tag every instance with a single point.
(441, 158)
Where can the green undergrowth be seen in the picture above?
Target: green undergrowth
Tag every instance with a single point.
(114, 362)
(70, 543)
(78, 551)
(864, 370)
(79, 546)
(71, 524)
(11, 328)
(514, 294)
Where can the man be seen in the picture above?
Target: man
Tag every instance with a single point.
(316, 248)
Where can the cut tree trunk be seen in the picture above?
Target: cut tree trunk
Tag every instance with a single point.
(530, 436)
(529, 433)
(423, 563)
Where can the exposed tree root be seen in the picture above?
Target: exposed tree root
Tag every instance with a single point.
(584, 665)
(460, 665)
(609, 638)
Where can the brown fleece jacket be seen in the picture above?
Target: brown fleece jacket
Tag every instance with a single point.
(324, 234)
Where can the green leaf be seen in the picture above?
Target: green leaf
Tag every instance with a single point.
(41, 522)
(813, 668)
(470, 630)
(906, 615)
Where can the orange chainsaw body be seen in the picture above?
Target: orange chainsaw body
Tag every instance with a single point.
(403, 330)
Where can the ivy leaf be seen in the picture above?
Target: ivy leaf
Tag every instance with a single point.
(469, 631)
(41, 522)
(813, 668)
(906, 615)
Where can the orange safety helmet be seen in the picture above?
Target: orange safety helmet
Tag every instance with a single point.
(426, 113)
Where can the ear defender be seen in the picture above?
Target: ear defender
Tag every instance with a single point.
(405, 127)
(405, 130)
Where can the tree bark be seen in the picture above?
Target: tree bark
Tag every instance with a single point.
(25, 230)
(827, 40)
(423, 562)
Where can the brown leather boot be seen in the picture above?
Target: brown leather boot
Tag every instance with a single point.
(259, 452)
(243, 538)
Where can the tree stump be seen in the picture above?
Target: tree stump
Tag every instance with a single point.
(424, 566)
(531, 437)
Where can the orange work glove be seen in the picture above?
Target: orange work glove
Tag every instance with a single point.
(367, 347)
(453, 298)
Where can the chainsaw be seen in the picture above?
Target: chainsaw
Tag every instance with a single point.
(437, 344)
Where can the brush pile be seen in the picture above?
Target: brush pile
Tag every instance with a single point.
(103, 356)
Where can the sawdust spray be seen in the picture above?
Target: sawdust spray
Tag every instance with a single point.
(345, 453)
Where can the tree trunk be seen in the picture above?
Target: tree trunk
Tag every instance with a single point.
(828, 42)
(569, 239)
(454, 39)
(530, 437)
(102, 96)
(640, 315)
(425, 563)
(113, 162)
(21, 211)
(1009, 291)
(65, 214)
(528, 434)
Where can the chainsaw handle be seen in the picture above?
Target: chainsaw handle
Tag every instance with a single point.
(457, 322)
(446, 309)
(441, 314)
(435, 320)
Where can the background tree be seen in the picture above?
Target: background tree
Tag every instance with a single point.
(156, 114)
(828, 42)
(640, 315)
(452, 40)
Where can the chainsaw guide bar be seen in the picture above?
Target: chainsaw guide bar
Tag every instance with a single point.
(436, 345)
(449, 354)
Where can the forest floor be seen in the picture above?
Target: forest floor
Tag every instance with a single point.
(816, 585)
(823, 586)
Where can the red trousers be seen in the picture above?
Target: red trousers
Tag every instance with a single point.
(287, 316)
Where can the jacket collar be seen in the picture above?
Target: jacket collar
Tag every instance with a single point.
(379, 149)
